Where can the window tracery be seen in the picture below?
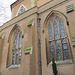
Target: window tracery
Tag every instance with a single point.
(58, 41)
(15, 42)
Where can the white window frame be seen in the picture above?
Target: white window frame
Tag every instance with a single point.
(20, 9)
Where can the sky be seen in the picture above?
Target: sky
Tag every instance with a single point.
(5, 11)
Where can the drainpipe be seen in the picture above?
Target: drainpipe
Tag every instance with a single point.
(39, 42)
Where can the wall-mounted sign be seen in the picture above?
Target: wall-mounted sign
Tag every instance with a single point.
(30, 23)
(69, 8)
(28, 50)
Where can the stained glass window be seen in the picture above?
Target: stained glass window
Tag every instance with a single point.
(13, 50)
(58, 49)
(56, 32)
(20, 38)
(57, 18)
(52, 20)
(52, 50)
(59, 46)
(16, 51)
(17, 41)
(22, 10)
(14, 42)
(65, 49)
(20, 47)
(12, 56)
(50, 32)
(62, 29)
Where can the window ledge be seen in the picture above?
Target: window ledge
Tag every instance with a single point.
(66, 62)
(14, 67)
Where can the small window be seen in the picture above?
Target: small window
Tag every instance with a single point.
(21, 10)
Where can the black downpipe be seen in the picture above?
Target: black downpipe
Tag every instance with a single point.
(39, 42)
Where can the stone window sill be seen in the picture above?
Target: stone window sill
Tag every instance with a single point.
(14, 67)
(66, 62)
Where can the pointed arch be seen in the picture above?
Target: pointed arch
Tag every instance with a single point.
(14, 49)
(17, 26)
(54, 12)
(21, 10)
(56, 24)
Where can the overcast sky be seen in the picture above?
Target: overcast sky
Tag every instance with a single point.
(5, 12)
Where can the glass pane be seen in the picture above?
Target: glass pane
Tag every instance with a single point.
(20, 52)
(62, 29)
(12, 56)
(16, 51)
(22, 10)
(65, 49)
(52, 50)
(52, 20)
(16, 33)
(19, 55)
(58, 50)
(20, 39)
(56, 33)
(57, 18)
(19, 59)
(50, 32)
(14, 41)
(17, 40)
(16, 58)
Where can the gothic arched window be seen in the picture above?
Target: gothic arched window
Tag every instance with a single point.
(14, 53)
(21, 10)
(58, 40)
(16, 50)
